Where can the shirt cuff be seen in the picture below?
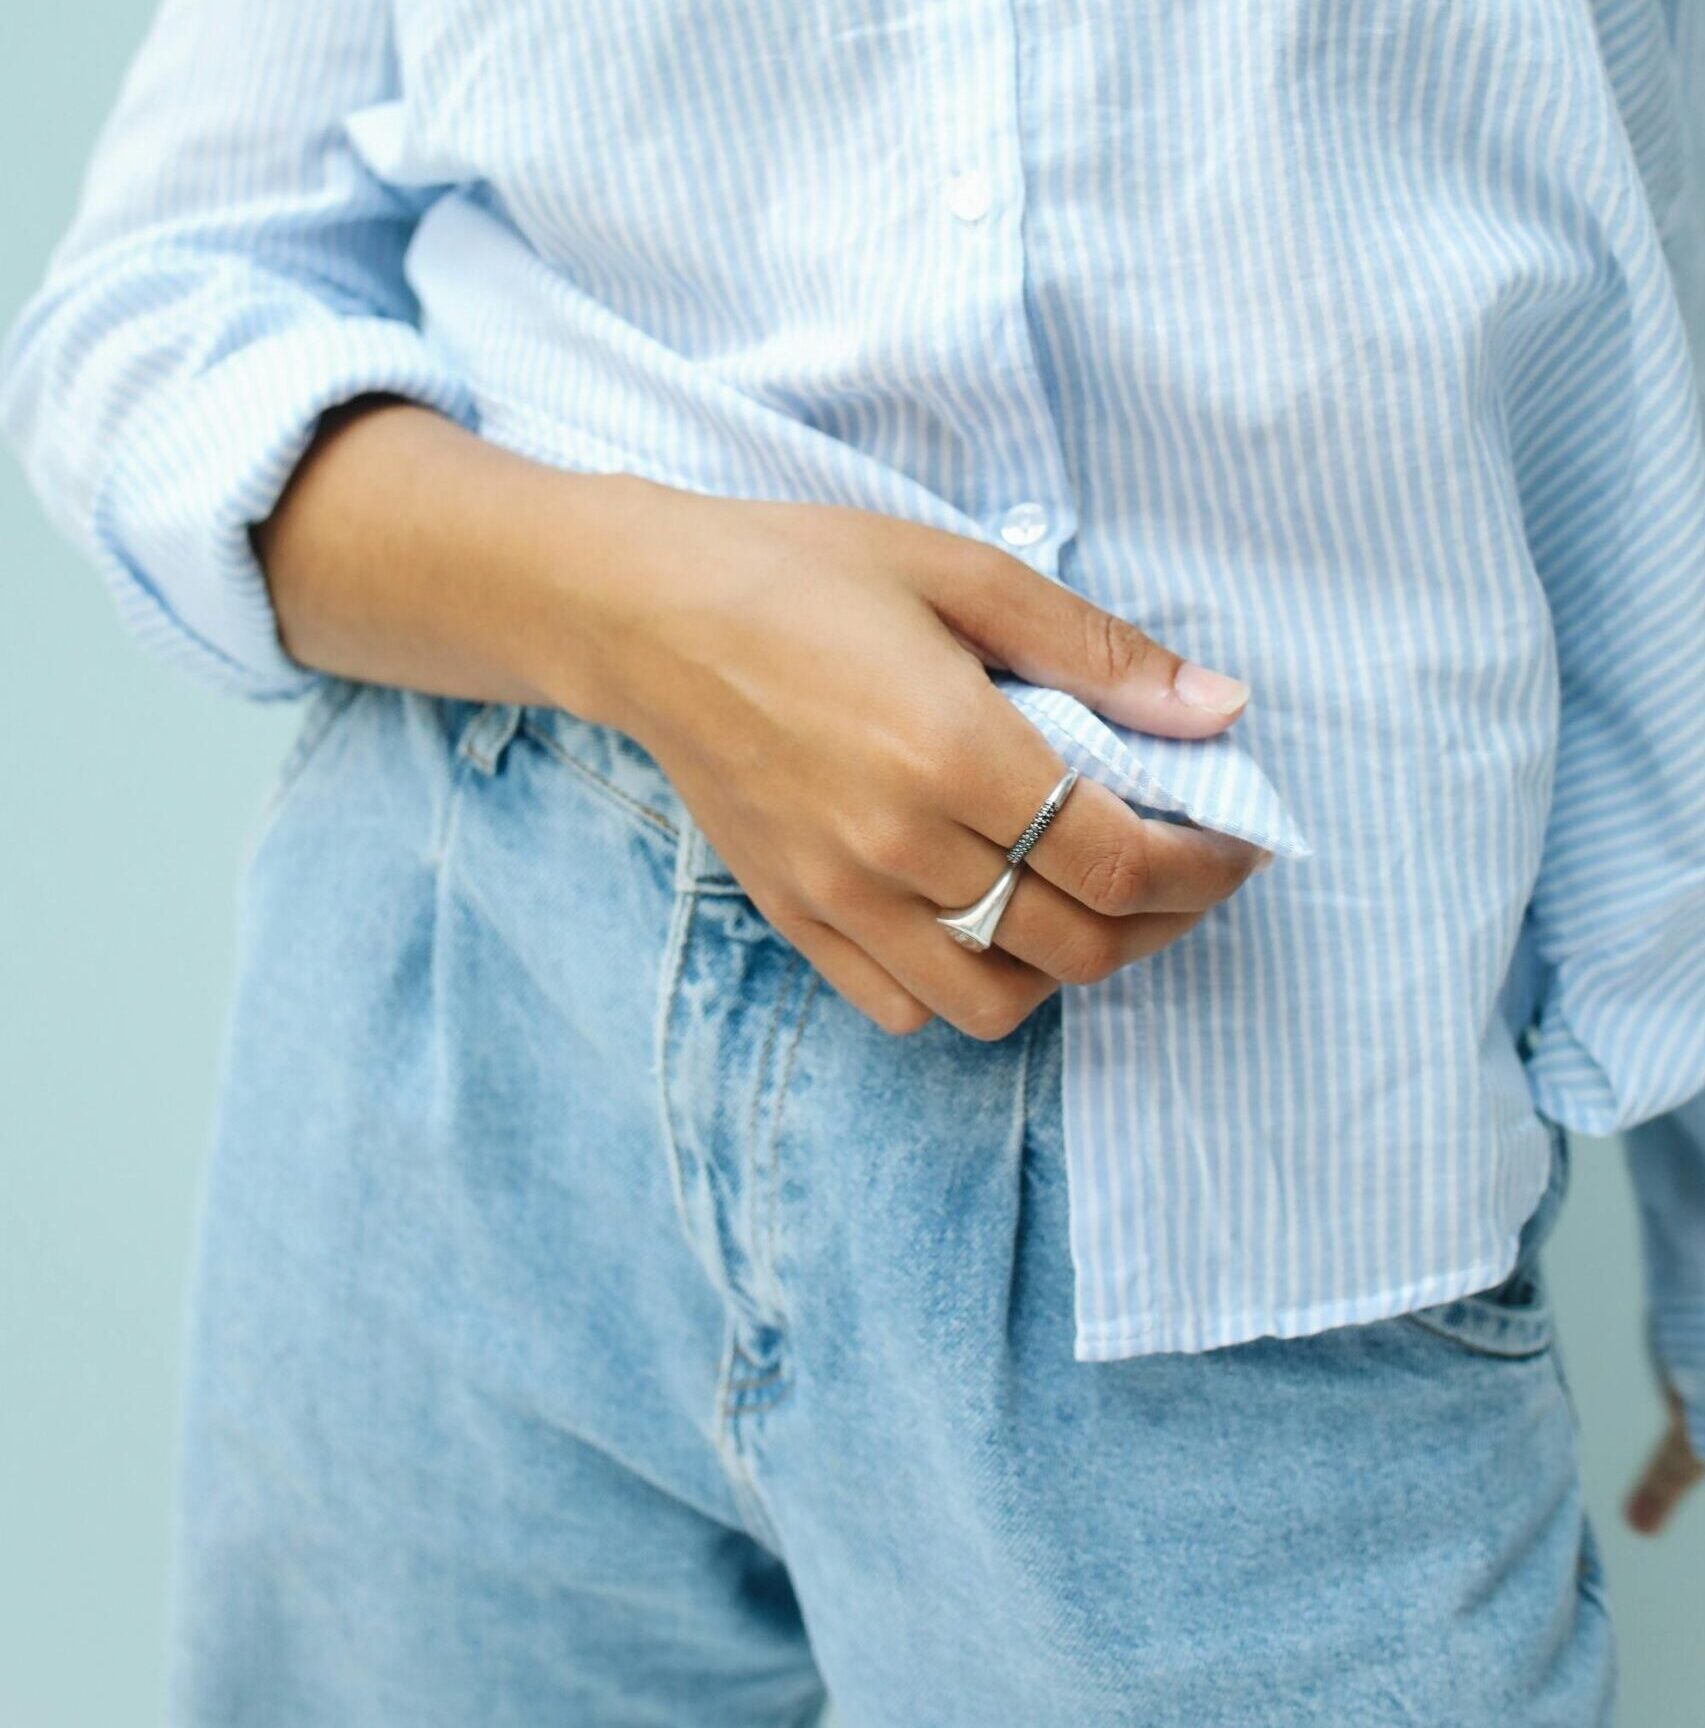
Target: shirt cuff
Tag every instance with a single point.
(210, 457)
(1621, 1035)
(1676, 1341)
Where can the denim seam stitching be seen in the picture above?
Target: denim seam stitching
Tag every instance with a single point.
(674, 965)
(773, 1171)
(767, 1378)
(730, 1447)
(754, 1135)
(623, 801)
(1020, 1137)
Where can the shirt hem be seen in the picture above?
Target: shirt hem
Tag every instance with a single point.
(1159, 1338)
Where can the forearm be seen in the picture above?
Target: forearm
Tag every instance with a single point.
(407, 550)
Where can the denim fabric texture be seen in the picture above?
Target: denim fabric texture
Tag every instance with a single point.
(599, 1322)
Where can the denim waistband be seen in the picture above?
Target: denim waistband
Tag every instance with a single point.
(480, 732)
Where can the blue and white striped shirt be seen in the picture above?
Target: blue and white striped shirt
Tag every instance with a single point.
(1345, 347)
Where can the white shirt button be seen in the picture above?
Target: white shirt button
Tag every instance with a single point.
(970, 195)
(1024, 524)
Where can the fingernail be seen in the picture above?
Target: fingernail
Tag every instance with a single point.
(1264, 862)
(1200, 688)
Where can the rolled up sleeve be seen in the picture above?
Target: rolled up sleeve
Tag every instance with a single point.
(231, 272)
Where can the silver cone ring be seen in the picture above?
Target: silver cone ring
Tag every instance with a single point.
(974, 926)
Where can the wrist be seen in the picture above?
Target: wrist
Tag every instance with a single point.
(602, 555)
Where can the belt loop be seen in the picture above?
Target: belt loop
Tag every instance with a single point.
(690, 852)
(487, 734)
(698, 867)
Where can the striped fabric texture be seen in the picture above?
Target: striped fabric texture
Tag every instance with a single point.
(1344, 347)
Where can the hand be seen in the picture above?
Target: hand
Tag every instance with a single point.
(1670, 1474)
(812, 679)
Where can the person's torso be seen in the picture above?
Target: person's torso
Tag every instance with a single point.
(1307, 336)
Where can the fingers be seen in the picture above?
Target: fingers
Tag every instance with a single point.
(1044, 938)
(1670, 1474)
(1097, 849)
(1117, 863)
(853, 974)
(901, 969)
(1043, 926)
(1049, 635)
(1075, 946)
(894, 963)
(985, 995)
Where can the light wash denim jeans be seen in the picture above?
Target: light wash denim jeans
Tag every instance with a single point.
(599, 1322)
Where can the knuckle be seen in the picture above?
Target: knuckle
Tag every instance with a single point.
(785, 912)
(1117, 650)
(961, 735)
(828, 884)
(1117, 879)
(1090, 956)
(963, 563)
(970, 579)
(936, 752)
(887, 849)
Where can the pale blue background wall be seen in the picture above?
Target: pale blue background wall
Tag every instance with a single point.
(126, 797)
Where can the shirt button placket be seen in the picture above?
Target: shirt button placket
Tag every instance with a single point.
(986, 189)
(970, 197)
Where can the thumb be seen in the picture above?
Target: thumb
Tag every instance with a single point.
(1016, 617)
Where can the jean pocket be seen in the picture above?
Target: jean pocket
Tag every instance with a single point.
(1512, 1319)
(609, 767)
(329, 700)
